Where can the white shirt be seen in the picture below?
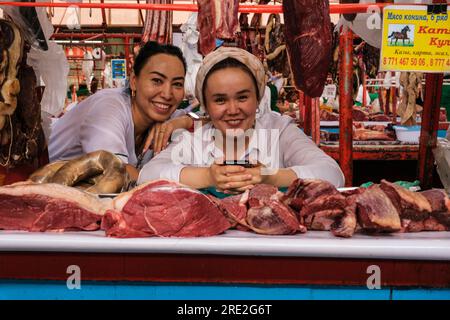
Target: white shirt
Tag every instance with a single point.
(285, 147)
(102, 121)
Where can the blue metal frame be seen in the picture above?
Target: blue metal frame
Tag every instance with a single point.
(52, 290)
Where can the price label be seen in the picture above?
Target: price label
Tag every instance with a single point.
(119, 69)
(329, 92)
(413, 40)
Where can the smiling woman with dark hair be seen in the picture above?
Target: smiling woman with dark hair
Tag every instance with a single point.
(121, 121)
(230, 84)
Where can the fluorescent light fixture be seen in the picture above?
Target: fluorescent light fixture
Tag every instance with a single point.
(77, 41)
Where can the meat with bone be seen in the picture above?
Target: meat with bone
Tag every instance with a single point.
(302, 192)
(376, 212)
(261, 211)
(317, 202)
(165, 209)
(345, 224)
(308, 39)
(49, 207)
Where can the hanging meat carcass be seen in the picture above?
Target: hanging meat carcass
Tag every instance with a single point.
(216, 19)
(254, 34)
(11, 46)
(275, 46)
(21, 137)
(407, 109)
(308, 39)
(243, 37)
(158, 24)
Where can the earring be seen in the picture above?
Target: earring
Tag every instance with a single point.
(133, 93)
(257, 110)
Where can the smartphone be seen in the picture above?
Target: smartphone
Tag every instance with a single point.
(242, 163)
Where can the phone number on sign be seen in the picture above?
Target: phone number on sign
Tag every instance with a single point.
(421, 62)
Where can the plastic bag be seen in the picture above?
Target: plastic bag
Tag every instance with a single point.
(190, 52)
(52, 67)
(442, 157)
(87, 67)
(48, 61)
(365, 25)
(30, 20)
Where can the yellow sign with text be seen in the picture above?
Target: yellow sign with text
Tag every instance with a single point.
(413, 40)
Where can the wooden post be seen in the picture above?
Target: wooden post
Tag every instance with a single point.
(315, 120)
(430, 126)
(394, 104)
(346, 104)
(307, 125)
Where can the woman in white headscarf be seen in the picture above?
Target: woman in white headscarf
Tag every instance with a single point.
(230, 84)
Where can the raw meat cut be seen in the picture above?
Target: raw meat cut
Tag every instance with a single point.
(379, 117)
(308, 39)
(359, 114)
(328, 116)
(216, 19)
(411, 205)
(345, 224)
(206, 22)
(323, 202)
(376, 212)
(317, 202)
(301, 192)
(49, 207)
(158, 24)
(261, 211)
(440, 207)
(165, 209)
(226, 18)
(438, 200)
(367, 134)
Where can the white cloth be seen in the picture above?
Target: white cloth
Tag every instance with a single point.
(293, 150)
(264, 104)
(102, 121)
(190, 51)
(359, 96)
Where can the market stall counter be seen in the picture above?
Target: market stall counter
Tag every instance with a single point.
(232, 265)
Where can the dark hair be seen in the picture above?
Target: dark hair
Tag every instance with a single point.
(229, 63)
(151, 48)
